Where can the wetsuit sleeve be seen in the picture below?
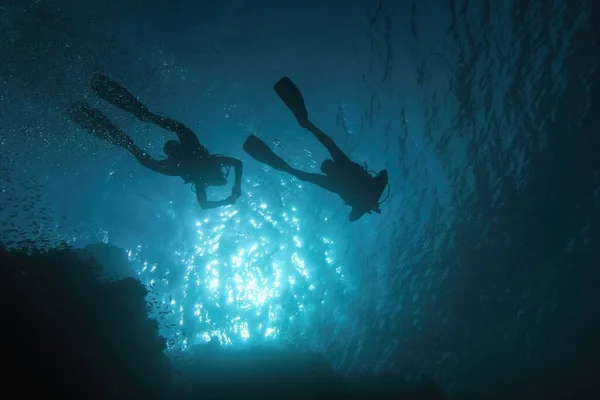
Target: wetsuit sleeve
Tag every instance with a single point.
(336, 153)
(205, 204)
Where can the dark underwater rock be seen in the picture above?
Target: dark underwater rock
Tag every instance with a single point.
(71, 333)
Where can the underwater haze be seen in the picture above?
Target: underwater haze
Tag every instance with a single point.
(483, 264)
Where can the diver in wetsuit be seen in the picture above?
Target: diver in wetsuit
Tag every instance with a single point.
(186, 157)
(352, 182)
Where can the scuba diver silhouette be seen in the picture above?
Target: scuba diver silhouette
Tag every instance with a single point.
(352, 182)
(186, 157)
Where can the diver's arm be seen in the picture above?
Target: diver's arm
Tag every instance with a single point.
(237, 164)
(336, 153)
(205, 204)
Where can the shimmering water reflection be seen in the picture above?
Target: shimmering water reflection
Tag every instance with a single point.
(245, 278)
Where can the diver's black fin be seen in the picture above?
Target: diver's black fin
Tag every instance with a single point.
(293, 99)
(97, 124)
(118, 96)
(259, 150)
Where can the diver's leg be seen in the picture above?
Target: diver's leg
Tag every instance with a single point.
(138, 153)
(165, 167)
(336, 153)
(323, 181)
(186, 136)
(117, 95)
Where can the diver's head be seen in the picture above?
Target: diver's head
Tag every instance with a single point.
(368, 200)
(328, 167)
(383, 174)
(172, 148)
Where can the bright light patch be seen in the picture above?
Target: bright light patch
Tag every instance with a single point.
(245, 276)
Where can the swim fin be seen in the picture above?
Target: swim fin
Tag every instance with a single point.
(259, 150)
(98, 124)
(293, 99)
(118, 96)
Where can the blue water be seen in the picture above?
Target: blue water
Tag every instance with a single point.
(455, 99)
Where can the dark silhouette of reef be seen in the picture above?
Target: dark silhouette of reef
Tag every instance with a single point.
(72, 335)
(73, 330)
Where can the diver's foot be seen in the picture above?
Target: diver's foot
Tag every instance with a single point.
(282, 166)
(144, 116)
(304, 123)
